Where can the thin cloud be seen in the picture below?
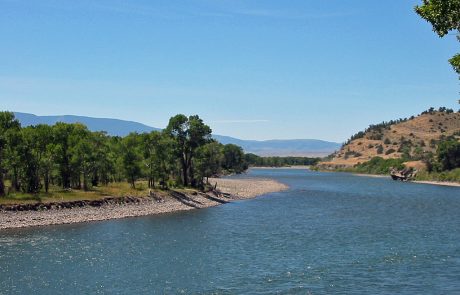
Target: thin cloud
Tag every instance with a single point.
(240, 121)
(212, 11)
(288, 15)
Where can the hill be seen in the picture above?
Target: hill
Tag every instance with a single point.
(115, 127)
(404, 138)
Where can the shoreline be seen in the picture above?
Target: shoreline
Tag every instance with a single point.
(434, 182)
(431, 182)
(232, 189)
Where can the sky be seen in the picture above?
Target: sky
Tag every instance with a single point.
(252, 69)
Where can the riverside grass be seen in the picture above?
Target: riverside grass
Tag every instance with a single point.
(56, 194)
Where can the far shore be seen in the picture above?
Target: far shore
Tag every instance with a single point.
(301, 167)
(232, 190)
(432, 182)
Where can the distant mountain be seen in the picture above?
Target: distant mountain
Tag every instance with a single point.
(286, 147)
(115, 127)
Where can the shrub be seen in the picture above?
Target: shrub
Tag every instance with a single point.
(390, 151)
(378, 165)
(448, 154)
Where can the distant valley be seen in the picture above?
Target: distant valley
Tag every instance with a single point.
(116, 127)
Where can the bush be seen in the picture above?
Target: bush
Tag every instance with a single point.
(378, 165)
(390, 151)
(448, 154)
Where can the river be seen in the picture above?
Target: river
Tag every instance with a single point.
(330, 233)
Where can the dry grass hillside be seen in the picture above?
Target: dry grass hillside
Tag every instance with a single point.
(414, 136)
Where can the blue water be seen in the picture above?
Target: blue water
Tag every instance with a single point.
(330, 233)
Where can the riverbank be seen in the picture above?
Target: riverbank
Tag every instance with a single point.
(442, 183)
(247, 188)
(432, 182)
(173, 201)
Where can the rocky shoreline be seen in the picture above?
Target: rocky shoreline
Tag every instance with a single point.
(40, 214)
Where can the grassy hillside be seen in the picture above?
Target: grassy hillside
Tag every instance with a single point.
(413, 139)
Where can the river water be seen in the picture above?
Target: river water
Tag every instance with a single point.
(330, 233)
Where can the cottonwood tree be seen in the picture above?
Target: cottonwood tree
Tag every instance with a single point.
(62, 133)
(188, 133)
(209, 160)
(71, 156)
(83, 157)
(150, 150)
(234, 158)
(444, 16)
(30, 160)
(8, 127)
(104, 157)
(131, 158)
(44, 144)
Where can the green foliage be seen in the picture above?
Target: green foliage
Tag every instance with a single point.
(448, 154)
(131, 157)
(70, 156)
(234, 160)
(378, 165)
(452, 175)
(9, 128)
(209, 158)
(188, 135)
(254, 160)
(444, 16)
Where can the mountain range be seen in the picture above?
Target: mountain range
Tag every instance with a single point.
(116, 127)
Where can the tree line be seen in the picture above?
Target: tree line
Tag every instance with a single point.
(255, 160)
(70, 156)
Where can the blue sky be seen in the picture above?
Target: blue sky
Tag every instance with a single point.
(251, 69)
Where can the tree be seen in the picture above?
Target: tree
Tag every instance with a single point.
(29, 161)
(62, 132)
(131, 158)
(444, 16)
(152, 160)
(449, 154)
(43, 150)
(188, 134)
(167, 161)
(8, 127)
(234, 158)
(104, 158)
(72, 156)
(82, 156)
(209, 160)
